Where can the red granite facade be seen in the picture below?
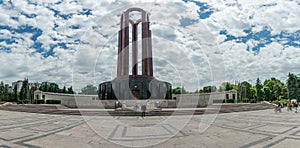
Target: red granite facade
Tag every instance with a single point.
(132, 82)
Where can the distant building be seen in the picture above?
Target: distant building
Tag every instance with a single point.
(18, 84)
(34, 85)
(9, 88)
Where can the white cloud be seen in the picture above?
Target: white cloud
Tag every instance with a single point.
(185, 52)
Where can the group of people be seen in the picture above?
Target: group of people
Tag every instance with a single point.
(136, 107)
(290, 106)
(143, 109)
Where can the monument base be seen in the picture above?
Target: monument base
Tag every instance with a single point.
(135, 87)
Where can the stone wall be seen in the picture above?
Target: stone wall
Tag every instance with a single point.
(179, 100)
(203, 99)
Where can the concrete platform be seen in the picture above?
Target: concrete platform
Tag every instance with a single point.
(60, 109)
(263, 128)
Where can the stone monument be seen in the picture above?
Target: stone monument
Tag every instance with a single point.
(136, 85)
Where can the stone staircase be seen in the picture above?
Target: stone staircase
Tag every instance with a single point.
(60, 109)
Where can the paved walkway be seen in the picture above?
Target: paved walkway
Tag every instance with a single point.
(240, 129)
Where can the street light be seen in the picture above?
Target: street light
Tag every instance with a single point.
(245, 93)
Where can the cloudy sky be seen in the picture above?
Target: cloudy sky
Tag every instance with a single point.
(195, 43)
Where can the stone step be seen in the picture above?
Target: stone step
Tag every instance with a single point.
(59, 109)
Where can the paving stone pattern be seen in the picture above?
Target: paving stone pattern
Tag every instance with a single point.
(263, 128)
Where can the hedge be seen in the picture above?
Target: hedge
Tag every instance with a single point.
(38, 101)
(53, 101)
(230, 101)
(283, 101)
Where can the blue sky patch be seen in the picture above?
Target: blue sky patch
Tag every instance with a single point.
(36, 32)
(58, 14)
(86, 12)
(205, 10)
(5, 49)
(75, 27)
(264, 38)
(32, 15)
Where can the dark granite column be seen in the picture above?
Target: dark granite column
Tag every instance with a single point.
(119, 66)
(134, 49)
(144, 48)
(126, 46)
(150, 62)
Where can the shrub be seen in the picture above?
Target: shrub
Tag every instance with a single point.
(275, 102)
(38, 101)
(230, 101)
(2, 102)
(245, 100)
(283, 101)
(26, 101)
(53, 101)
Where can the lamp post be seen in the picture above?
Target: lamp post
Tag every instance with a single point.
(245, 90)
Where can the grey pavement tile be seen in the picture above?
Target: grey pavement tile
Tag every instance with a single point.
(285, 143)
(14, 134)
(273, 129)
(4, 146)
(243, 129)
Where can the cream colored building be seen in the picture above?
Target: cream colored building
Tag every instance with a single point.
(179, 100)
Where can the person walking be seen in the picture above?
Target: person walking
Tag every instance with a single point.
(289, 106)
(143, 108)
(295, 106)
(117, 105)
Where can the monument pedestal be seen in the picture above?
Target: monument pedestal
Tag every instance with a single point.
(135, 87)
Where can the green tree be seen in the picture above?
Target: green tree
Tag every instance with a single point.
(274, 87)
(6, 93)
(16, 98)
(44, 87)
(53, 87)
(178, 90)
(89, 90)
(245, 91)
(64, 90)
(70, 90)
(24, 91)
(252, 94)
(293, 87)
(201, 91)
(209, 89)
(259, 91)
(267, 93)
(1, 90)
(226, 86)
(284, 93)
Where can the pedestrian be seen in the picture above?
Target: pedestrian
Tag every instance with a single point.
(116, 104)
(289, 106)
(143, 108)
(295, 106)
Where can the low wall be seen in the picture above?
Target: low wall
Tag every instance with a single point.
(83, 103)
(199, 100)
(180, 100)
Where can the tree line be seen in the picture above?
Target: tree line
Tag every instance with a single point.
(26, 94)
(269, 90)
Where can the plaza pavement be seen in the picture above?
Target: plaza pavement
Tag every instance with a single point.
(263, 128)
